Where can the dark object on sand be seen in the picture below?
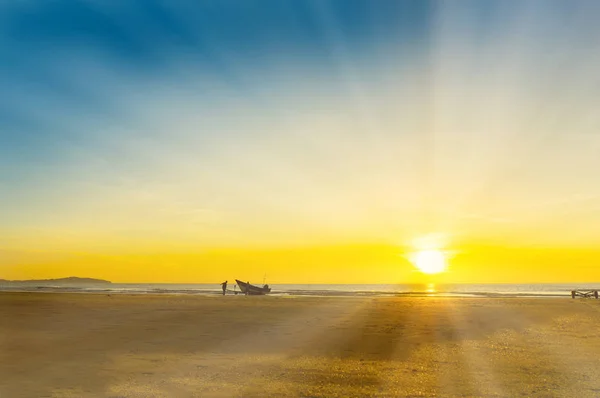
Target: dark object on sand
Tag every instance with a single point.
(584, 293)
(252, 290)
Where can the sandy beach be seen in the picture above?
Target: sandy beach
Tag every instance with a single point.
(92, 345)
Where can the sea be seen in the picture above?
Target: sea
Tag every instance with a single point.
(340, 290)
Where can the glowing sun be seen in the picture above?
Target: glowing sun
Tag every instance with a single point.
(429, 261)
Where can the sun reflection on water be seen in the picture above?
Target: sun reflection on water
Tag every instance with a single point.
(431, 288)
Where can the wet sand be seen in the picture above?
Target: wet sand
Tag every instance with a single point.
(92, 345)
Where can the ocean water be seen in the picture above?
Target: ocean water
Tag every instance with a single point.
(456, 290)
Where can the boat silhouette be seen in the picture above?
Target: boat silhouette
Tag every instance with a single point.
(251, 289)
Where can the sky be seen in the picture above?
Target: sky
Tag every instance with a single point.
(314, 141)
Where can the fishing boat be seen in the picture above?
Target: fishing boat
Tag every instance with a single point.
(251, 289)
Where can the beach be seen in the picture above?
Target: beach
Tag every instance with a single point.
(118, 345)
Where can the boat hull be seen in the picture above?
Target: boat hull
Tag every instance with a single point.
(251, 289)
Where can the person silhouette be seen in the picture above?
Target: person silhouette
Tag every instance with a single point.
(224, 286)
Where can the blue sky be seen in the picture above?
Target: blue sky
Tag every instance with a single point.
(53, 52)
(293, 121)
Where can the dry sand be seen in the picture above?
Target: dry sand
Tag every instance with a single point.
(87, 345)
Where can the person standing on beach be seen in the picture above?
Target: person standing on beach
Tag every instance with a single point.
(224, 286)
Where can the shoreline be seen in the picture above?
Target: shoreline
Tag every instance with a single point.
(308, 293)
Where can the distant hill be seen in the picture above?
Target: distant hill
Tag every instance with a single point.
(72, 280)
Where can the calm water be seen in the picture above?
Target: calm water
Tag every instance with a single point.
(465, 290)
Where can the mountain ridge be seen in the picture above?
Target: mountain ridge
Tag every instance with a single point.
(65, 281)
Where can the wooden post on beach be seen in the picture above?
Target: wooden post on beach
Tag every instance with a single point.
(584, 293)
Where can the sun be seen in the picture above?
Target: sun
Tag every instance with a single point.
(429, 261)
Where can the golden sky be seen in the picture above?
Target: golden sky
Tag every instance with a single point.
(328, 264)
